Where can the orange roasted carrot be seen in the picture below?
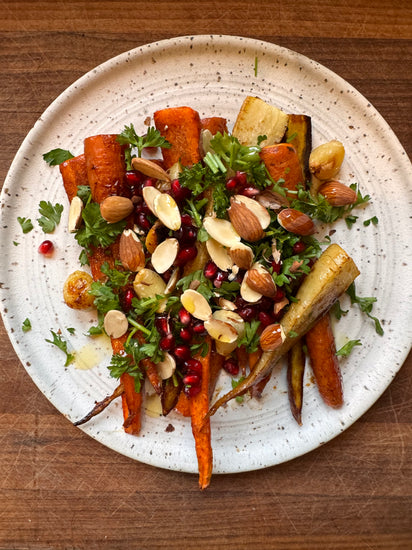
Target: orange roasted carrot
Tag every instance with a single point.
(152, 374)
(105, 166)
(282, 162)
(214, 124)
(183, 405)
(132, 405)
(325, 365)
(74, 173)
(199, 406)
(181, 127)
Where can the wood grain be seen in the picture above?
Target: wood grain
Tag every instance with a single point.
(62, 490)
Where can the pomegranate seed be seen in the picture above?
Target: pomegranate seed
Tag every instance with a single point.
(193, 366)
(184, 316)
(247, 313)
(299, 247)
(186, 219)
(191, 380)
(185, 255)
(143, 221)
(220, 278)
(191, 391)
(149, 182)
(178, 192)
(231, 184)
(241, 178)
(265, 304)
(166, 275)
(265, 318)
(185, 334)
(127, 300)
(186, 235)
(182, 352)
(231, 366)
(280, 294)
(162, 325)
(210, 270)
(249, 192)
(167, 343)
(240, 302)
(277, 266)
(199, 328)
(46, 248)
(133, 178)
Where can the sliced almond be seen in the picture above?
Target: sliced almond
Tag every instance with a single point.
(220, 331)
(247, 293)
(245, 222)
(150, 168)
(175, 170)
(272, 337)
(227, 304)
(242, 255)
(131, 252)
(259, 211)
(149, 196)
(115, 323)
(232, 318)
(219, 255)
(152, 240)
(271, 200)
(196, 304)
(75, 214)
(164, 255)
(278, 306)
(167, 367)
(296, 222)
(115, 208)
(260, 280)
(148, 284)
(167, 211)
(221, 230)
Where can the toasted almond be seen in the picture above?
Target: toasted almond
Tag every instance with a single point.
(164, 255)
(150, 168)
(196, 304)
(75, 214)
(296, 222)
(242, 255)
(131, 252)
(149, 196)
(271, 200)
(260, 280)
(115, 208)
(247, 293)
(245, 222)
(278, 306)
(272, 337)
(219, 255)
(172, 282)
(337, 194)
(175, 170)
(167, 211)
(221, 230)
(220, 331)
(148, 284)
(152, 239)
(115, 323)
(227, 304)
(258, 210)
(167, 367)
(232, 318)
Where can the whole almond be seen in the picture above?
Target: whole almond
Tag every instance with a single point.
(260, 280)
(296, 222)
(150, 168)
(245, 222)
(115, 208)
(131, 252)
(272, 337)
(337, 194)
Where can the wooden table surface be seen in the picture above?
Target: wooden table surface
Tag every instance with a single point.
(61, 489)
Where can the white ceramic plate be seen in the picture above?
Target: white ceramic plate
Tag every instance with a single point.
(212, 74)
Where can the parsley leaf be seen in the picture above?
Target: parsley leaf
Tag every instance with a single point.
(345, 350)
(62, 345)
(250, 339)
(373, 220)
(50, 216)
(121, 364)
(26, 325)
(153, 138)
(96, 230)
(365, 305)
(337, 311)
(57, 156)
(84, 192)
(26, 224)
(116, 278)
(235, 384)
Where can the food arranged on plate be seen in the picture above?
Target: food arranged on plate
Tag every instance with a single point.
(198, 251)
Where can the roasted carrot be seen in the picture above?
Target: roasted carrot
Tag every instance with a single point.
(296, 370)
(74, 173)
(105, 166)
(98, 256)
(183, 406)
(171, 391)
(325, 365)
(199, 406)
(282, 162)
(181, 127)
(214, 124)
(151, 372)
(101, 405)
(132, 405)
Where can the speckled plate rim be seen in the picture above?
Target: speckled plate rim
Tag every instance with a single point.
(250, 445)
